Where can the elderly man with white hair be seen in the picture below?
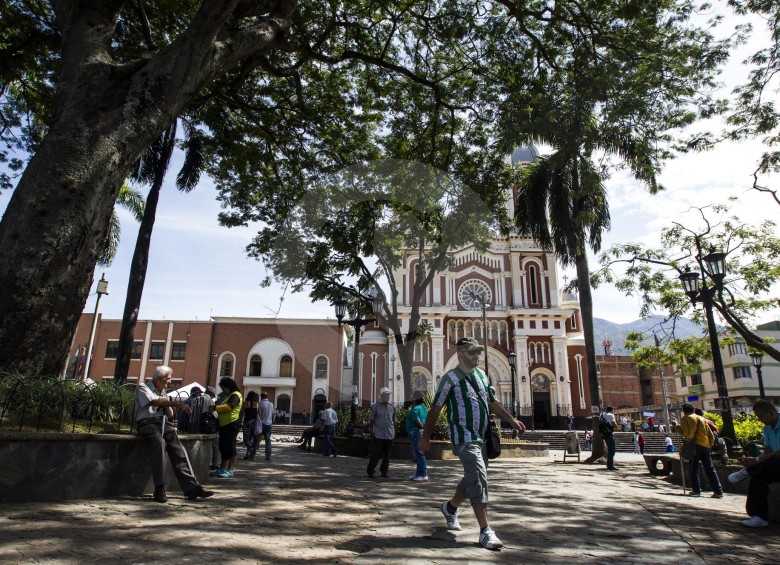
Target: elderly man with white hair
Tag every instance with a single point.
(153, 409)
(381, 423)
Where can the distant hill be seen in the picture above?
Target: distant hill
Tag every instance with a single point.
(604, 329)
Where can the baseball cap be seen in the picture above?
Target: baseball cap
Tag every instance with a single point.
(196, 390)
(384, 390)
(469, 344)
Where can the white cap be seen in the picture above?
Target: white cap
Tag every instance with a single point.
(384, 390)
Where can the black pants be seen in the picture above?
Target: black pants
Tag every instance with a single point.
(159, 444)
(380, 449)
(761, 475)
(227, 440)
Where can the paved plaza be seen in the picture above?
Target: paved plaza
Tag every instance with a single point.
(306, 508)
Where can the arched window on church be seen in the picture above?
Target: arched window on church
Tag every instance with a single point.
(531, 353)
(226, 365)
(533, 279)
(255, 366)
(321, 367)
(285, 367)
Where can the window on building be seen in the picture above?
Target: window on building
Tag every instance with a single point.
(255, 366)
(696, 379)
(285, 367)
(574, 321)
(321, 367)
(178, 351)
(742, 372)
(737, 349)
(112, 348)
(175, 383)
(138, 348)
(532, 285)
(684, 382)
(226, 366)
(157, 351)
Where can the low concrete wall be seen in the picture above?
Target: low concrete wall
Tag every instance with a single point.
(37, 467)
(402, 448)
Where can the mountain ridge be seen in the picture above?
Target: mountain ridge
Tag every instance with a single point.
(616, 333)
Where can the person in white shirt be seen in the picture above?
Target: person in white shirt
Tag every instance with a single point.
(265, 421)
(329, 419)
(153, 412)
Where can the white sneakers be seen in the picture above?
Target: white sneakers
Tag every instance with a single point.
(452, 518)
(420, 479)
(755, 522)
(739, 476)
(489, 540)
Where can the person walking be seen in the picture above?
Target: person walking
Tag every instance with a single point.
(466, 392)
(153, 423)
(265, 422)
(329, 420)
(641, 441)
(251, 411)
(636, 442)
(763, 470)
(607, 430)
(693, 428)
(228, 407)
(381, 426)
(415, 423)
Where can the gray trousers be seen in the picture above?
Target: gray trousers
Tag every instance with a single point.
(159, 444)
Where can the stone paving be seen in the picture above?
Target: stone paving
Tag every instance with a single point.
(305, 508)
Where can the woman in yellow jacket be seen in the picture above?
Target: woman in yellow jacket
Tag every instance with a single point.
(228, 407)
(694, 428)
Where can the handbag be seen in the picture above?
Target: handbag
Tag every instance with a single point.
(492, 435)
(209, 424)
(688, 449)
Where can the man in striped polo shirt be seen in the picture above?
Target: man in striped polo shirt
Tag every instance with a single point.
(467, 394)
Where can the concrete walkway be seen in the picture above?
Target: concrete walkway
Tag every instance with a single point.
(305, 508)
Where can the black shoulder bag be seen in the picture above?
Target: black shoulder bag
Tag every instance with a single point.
(492, 436)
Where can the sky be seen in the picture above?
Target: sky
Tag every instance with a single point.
(199, 269)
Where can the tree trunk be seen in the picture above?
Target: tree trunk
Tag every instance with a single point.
(135, 284)
(105, 115)
(586, 310)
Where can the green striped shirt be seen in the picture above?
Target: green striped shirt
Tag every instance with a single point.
(466, 414)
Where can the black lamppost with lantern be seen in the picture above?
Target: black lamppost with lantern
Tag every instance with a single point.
(512, 356)
(702, 287)
(357, 323)
(758, 361)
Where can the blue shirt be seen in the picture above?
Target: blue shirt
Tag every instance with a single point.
(772, 436)
(418, 413)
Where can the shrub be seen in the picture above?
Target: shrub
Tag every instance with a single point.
(749, 429)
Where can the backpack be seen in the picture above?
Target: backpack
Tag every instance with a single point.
(605, 429)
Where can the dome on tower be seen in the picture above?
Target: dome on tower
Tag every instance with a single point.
(525, 154)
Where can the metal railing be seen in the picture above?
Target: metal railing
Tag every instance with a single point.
(38, 404)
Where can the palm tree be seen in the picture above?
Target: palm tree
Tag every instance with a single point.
(562, 204)
(151, 169)
(131, 200)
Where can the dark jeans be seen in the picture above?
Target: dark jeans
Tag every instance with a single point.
(610, 439)
(330, 447)
(266, 433)
(159, 444)
(703, 455)
(761, 475)
(380, 449)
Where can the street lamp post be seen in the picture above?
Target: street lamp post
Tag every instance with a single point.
(102, 288)
(482, 301)
(695, 285)
(758, 361)
(357, 323)
(512, 362)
